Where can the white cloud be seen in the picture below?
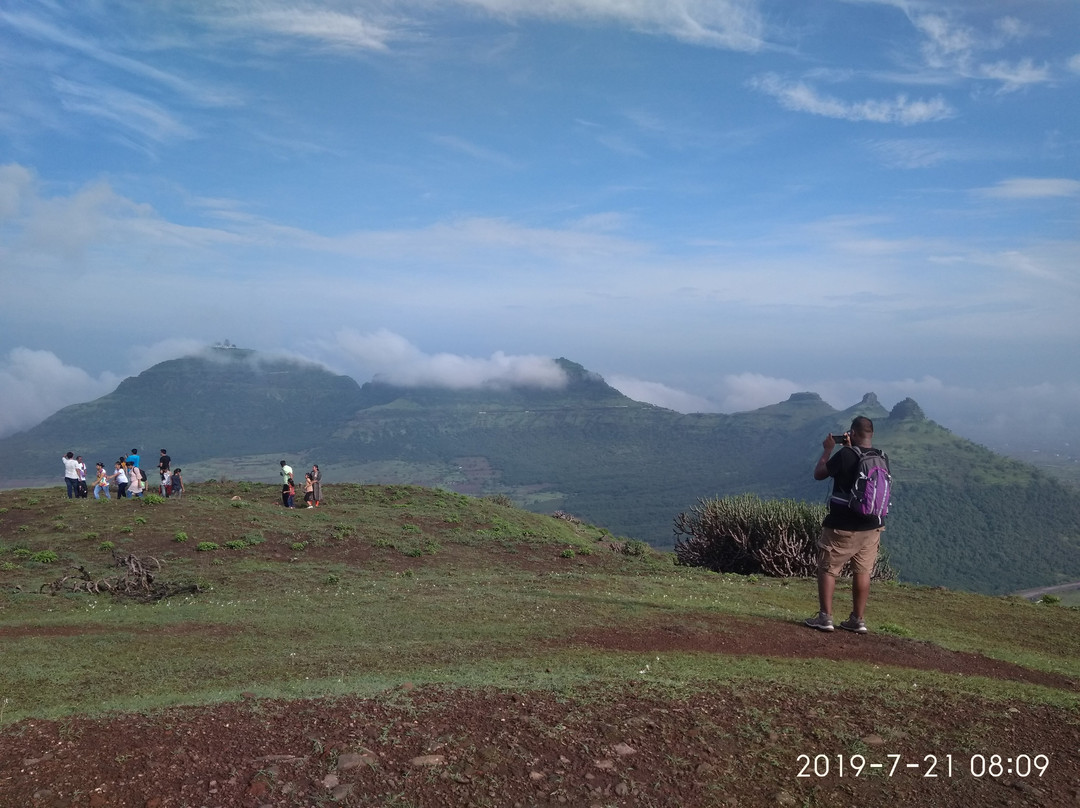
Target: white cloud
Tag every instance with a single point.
(660, 394)
(956, 48)
(732, 24)
(37, 383)
(125, 109)
(16, 185)
(1033, 188)
(391, 358)
(335, 29)
(472, 150)
(1012, 420)
(799, 96)
(1015, 76)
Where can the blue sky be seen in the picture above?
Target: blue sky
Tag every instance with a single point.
(712, 203)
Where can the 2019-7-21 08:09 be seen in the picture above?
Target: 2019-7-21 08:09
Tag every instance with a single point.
(1022, 765)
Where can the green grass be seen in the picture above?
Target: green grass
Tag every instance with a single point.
(397, 583)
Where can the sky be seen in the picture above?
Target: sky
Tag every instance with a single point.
(712, 203)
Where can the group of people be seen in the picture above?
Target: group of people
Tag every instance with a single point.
(128, 476)
(312, 487)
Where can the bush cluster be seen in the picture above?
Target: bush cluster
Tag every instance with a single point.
(748, 535)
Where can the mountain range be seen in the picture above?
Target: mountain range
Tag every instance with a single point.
(962, 516)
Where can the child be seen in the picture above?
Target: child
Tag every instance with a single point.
(291, 493)
(177, 484)
(309, 491)
(101, 483)
(166, 483)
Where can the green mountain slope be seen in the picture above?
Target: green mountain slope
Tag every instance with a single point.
(962, 516)
(225, 402)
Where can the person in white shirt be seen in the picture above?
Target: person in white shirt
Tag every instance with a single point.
(121, 481)
(71, 474)
(81, 468)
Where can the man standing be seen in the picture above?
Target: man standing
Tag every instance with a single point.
(164, 466)
(286, 481)
(133, 458)
(71, 474)
(846, 534)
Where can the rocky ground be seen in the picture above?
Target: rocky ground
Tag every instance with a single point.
(725, 743)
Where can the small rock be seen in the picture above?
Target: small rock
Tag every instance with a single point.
(535, 775)
(342, 792)
(874, 740)
(350, 760)
(604, 764)
(785, 798)
(428, 760)
(622, 789)
(622, 749)
(331, 781)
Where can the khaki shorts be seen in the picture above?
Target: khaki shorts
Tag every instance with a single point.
(840, 546)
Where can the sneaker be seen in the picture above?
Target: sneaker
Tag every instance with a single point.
(820, 621)
(854, 624)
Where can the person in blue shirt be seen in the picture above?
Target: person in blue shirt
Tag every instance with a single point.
(133, 458)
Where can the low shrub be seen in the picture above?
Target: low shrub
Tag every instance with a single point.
(207, 546)
(747, 535)
(635, 547)
(180, 536)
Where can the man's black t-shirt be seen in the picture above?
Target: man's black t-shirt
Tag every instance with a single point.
(164, 463)
(843, 466)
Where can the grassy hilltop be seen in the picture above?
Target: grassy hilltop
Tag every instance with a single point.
(406, 646)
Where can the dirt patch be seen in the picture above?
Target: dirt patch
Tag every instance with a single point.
(771, 638)
(202, 629)
(722, 745)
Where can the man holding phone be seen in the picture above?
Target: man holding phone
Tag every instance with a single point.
(846, 535)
